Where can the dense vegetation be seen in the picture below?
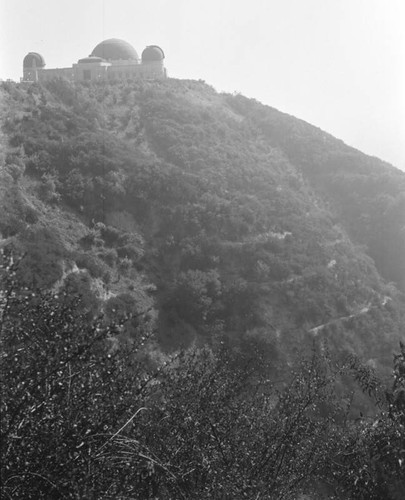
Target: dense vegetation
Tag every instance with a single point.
(84, 417)
(166, 195)
(215, 222)
(365, 194)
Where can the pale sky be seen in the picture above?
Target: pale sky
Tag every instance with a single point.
(338, 64)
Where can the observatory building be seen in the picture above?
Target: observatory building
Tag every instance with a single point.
(111, 60)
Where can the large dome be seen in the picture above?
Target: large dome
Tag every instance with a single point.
(114, 49)
(33, 59)
(152, 53)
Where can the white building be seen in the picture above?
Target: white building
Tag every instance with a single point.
(111, 60)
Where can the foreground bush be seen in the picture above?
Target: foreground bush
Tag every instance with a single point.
(85, 417)
(65, 390)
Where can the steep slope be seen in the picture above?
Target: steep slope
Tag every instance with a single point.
(225, 217)
(366, 194)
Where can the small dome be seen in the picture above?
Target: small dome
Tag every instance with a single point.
(91, 59)
(33, 60)
(152, 53)
(114, 49)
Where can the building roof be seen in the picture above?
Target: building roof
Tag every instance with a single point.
(33, 59)
(91, 59)
(152, 53)
(114, 49)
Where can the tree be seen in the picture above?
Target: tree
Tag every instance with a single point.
(374, 455)
(66, 388)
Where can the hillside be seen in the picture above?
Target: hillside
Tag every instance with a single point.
(221, 217)
(200, 298)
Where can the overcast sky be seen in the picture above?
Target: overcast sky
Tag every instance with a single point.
(338, 64)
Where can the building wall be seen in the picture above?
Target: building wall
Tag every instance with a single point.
(125, 72)
(52, 73)
(90, 71)
(30, 74)
(116, 70)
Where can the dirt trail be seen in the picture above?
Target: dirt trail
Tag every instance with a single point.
(363, 310)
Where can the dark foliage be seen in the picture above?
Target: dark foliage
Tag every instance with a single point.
(86, 416)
